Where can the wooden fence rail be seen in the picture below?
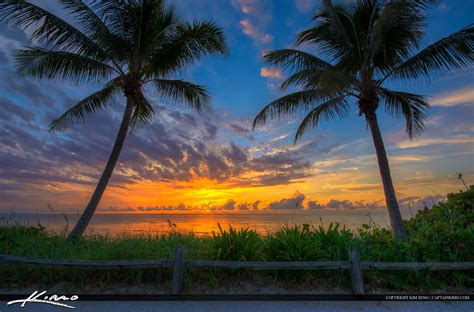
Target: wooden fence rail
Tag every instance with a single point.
(271, 265)
(179, 263)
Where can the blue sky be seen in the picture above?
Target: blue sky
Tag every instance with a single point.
(333, 162)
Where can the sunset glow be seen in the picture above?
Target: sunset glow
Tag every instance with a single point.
(214, 161)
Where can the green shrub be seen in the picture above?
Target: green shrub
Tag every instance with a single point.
(241, 245)
(291, 244)
(333, 242)
(307, 243)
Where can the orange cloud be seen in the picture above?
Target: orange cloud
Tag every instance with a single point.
(251, 30)
(456, 139)
(247, 6)
(456, 97)
(248, 28)
(257, 17)
(271, 73)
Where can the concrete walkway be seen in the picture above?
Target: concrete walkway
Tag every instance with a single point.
(254, 306)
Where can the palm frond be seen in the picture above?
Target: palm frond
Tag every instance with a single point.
(332, 16)
(181, 91)
(334, 108)
(142, 111)
(96, 29)
(47, 64)
(289, 104)
(396, 31)
(85, 16)
(116, 16)
(334, 33)
(304, 78)
(410, 106)
(119, 16)
(454, 52)
(91, 104)
(397, 13)
(189, 43)
(157, 24)
(295, 60)
(331, 80)
(49, 28)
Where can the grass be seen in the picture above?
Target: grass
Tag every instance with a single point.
(443, 233)
(242, 245)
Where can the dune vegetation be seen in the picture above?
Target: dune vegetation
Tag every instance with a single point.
(443, 233)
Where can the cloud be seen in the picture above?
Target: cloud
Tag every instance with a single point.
(243, 206)
(420, 202)
(255, 8)
(403, 159)
(229, 205)
(11, 109)
(8, 43)
(271, 73)
(256, 34)
(281, 137)
(255, 204)
(295, 202)
(247, 6)
(257, 17)
(117, 209)
(51, 165)
(344, 204)
(248, 28)
(313, 204)
(455, 97)
(241, 128)
(457, 139)
(305, 5)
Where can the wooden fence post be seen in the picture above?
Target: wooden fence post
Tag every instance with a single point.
(178, 270)
(356, 272)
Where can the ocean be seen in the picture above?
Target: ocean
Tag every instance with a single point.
(203, 223)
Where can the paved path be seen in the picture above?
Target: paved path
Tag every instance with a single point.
(255, 306)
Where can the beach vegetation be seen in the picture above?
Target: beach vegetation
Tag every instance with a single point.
(443, 233)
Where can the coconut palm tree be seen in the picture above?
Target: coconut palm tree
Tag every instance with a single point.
(363, 47)
(127, 43)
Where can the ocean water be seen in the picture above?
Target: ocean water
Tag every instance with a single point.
(263, 222)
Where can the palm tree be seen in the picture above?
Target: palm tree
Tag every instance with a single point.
(365, 46)
(127, 43)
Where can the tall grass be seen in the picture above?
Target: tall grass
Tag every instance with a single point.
(241, 245)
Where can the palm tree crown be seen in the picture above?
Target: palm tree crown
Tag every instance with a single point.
(367, 45)
(363, 47)
(128, 43)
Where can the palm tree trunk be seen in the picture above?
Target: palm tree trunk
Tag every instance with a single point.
(104, 179)
(398, 228)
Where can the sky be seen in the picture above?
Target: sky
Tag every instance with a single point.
(208, 161)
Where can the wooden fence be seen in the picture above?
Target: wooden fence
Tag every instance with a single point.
(179, 263)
